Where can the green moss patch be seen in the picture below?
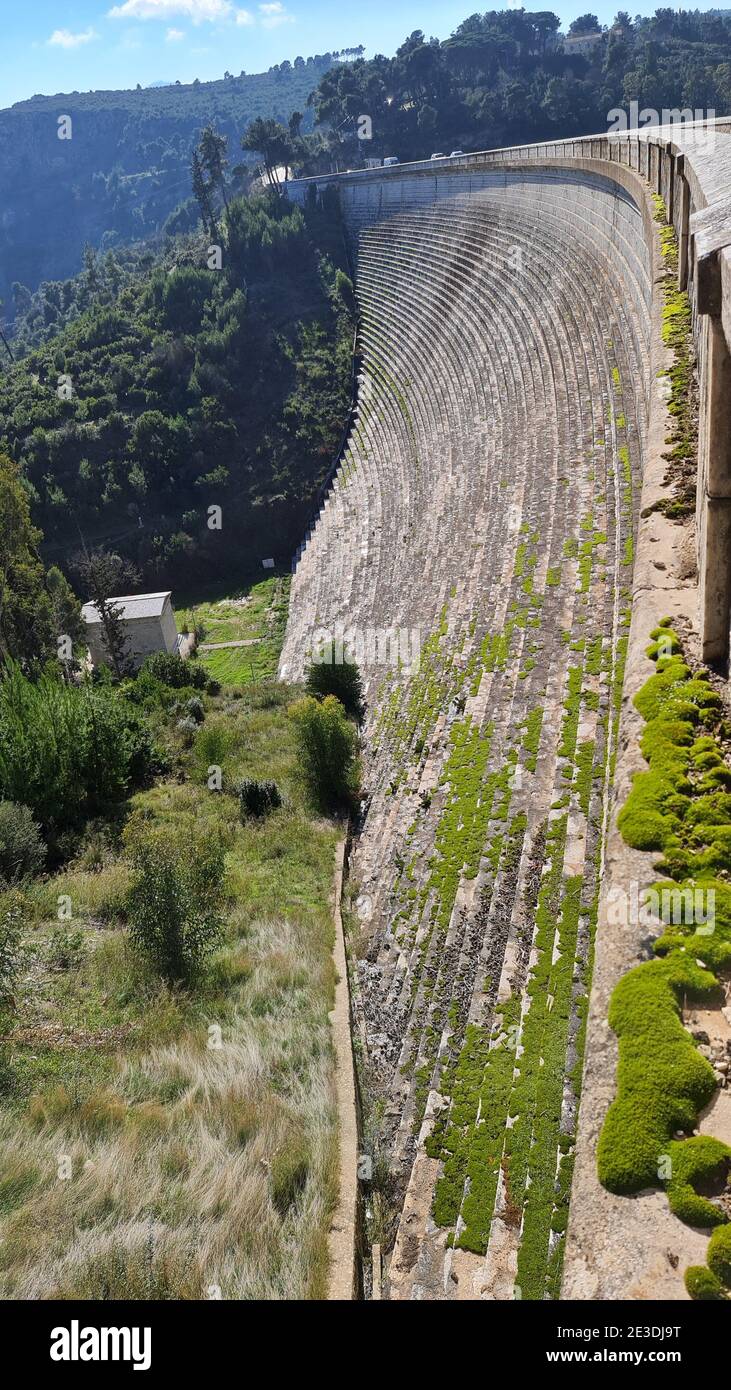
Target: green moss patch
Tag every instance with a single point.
(663, 1080)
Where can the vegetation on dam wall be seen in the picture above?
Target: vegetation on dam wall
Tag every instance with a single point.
(680, 807)
(682, 457)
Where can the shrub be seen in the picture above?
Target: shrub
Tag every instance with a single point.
(341, 679)
(143, 757)
(170, 669)
(22, 851)
(10, 951)
(328, 744)
(64, 948)
(215, 741)
(187, 727)
(173, 905)
(66, 751)
(257, 798)
(195, 710)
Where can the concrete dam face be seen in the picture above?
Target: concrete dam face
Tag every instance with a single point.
(479, 549)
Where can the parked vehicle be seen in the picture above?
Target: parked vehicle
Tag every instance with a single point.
(439, 156)
(454, 153)
(390, 159)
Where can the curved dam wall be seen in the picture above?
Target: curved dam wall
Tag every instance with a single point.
(480, 545)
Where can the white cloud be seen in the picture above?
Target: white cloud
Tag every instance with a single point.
(195, 10)
(274, 14)
(174, 35)
(245, 17)
(63, 38)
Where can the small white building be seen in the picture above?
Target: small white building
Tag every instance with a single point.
(583, 44)
(149, 625)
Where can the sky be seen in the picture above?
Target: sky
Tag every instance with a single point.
(49, 46)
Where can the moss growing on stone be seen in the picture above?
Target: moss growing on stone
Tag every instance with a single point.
(719, 1254)
(697, 1162)
(663, 1080)
(677, 335)
(702, 1285)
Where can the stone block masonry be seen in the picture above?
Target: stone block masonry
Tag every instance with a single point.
(509, 415)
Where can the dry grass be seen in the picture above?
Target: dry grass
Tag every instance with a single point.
(180, 1146)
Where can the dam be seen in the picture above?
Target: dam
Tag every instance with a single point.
(534, 326)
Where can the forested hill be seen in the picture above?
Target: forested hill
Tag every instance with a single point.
(509, 76)
(126, 166)
(185, 416)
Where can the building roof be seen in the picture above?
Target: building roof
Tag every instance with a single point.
(130, 606)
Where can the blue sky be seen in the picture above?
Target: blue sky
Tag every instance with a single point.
(65, 45)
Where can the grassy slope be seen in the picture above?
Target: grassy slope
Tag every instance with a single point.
(263, 619)
(190, 1167)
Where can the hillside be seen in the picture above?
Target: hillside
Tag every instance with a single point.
(509, 76)
(175, 388)
(125, 167)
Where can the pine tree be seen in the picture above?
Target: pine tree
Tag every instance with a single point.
(212, 158)
(201, 193)
(102, 572)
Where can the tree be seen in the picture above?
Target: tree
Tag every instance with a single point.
(585, 24)
(65, 607)
(328, 748)
(4, 340)
(103, 572)
(273, 142)
(212, 157)
(26, 619)
(338, 678)
(201, 193)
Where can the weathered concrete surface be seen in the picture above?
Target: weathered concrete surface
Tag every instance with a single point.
(502, 409)
(368, 562)
(620, 1247)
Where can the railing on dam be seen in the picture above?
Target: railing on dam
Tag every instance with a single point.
(689, 166)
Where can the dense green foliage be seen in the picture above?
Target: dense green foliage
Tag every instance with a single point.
(35, 608)
(66, 751)
(328, 749)
(193, 388)
(702, 1285)
(257, 797)
(10, 952)
(169, 669)
(339, 678)
(501, 78)
(174, 903)
(22, 851)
